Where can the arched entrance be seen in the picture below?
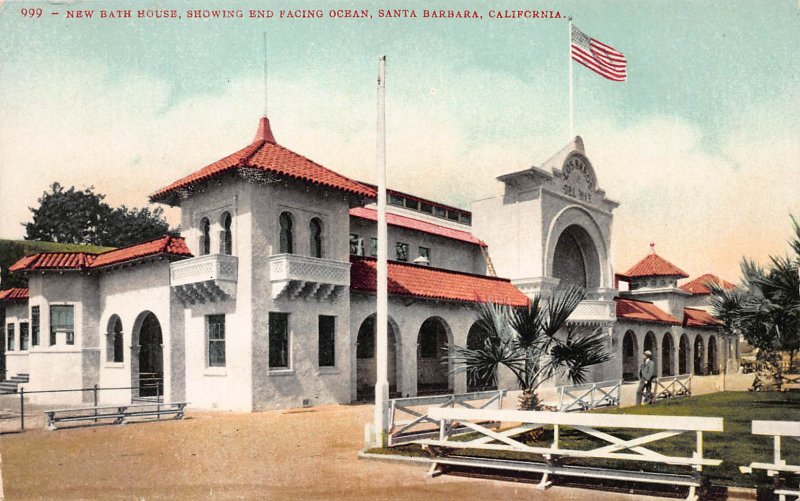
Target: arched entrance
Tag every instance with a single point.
(575, 260)
(432, 376)
(366, 368)
(476, 340)
(699, 369)
(683, 357)
(630, 360)
(712, 368)
(147, 367)
(651, 345)
(666, 355)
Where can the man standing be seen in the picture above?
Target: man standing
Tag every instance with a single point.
(647, 373)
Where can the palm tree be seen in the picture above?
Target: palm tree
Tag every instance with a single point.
(765, 308)
(534, 342)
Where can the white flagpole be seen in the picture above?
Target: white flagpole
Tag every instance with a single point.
(571, 109)
(381, 416)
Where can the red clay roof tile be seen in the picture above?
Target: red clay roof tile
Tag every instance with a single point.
(654, 265)
(434, 283)
(266, 155)
(169, 245)
(643, 311)
(15, 294)
(700, 284)
(416, 224)
(694, 317)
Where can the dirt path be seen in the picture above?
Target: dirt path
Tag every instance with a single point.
(302, 454)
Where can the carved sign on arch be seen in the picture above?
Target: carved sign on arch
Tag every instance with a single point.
(578, 179)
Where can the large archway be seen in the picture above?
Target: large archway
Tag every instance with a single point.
(476, 340)
(630, 360)
(575, 259)
(667, 355)
(712, 367)
(366, 368)
(683, 355)
(651, 345)
(432, 374)
(699, 368)
(147, 363)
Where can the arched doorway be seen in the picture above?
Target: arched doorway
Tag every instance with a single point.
(699, 369)
(630, 360)
(666, 355)
(366, 368)
(683, 358)
(651, 345)
(712, 356)
(575, 259)
(147, 367)
(476, 340)
(432, 376)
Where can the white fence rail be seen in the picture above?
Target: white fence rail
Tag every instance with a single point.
(410, 421)
(777, 429)
(599, 426)
(582, 397)
(672, 386)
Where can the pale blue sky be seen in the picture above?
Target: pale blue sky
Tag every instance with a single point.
(707, 122)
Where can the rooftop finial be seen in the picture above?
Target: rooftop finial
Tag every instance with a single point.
(652, 247)
(264, 132)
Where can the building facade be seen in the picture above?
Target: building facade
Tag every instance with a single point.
(267, 297)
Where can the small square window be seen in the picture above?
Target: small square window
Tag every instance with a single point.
(402, 251)
(412, 204)
(426, 208)
(395, 199)
(425, 252)
(439, 212)
(356, 245)
(373, 247)
(452, 215)
(465, 218)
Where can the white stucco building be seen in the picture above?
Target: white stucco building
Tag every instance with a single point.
(267, 299)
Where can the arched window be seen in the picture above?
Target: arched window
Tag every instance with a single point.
(226, 242)
(114, 349)
(315, 229)
(287, 237)
(205, 236)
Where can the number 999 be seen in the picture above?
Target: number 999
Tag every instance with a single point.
(31, 12)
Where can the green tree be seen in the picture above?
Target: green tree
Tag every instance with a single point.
(534, 342)
(765, 308)
(83, 217)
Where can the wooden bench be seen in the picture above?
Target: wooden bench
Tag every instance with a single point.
(600, 426)
(777, 429)
(117, 414)
(584, 397)
(790, 382)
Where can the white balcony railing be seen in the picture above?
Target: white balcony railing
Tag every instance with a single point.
(205, 278)
(307, 277)
(591, 311)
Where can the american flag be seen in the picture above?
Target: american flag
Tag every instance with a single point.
(598, 57)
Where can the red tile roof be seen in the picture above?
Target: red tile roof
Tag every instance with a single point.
(700, 284)
(653, 265)
(173, 246)
(416, 224)
(168, 245)
(15, 294)
(434, 283)
(643, 311)
(694, 317)
(266, 155)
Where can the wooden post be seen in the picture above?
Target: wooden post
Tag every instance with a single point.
(22, 408)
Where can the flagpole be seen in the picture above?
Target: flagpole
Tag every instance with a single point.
(381, 411)
(569, 56)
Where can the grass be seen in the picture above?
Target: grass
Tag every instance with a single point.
(736, 445)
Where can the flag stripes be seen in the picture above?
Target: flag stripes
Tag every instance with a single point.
(601, 58)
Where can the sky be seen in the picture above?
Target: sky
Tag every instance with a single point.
(701, 145)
